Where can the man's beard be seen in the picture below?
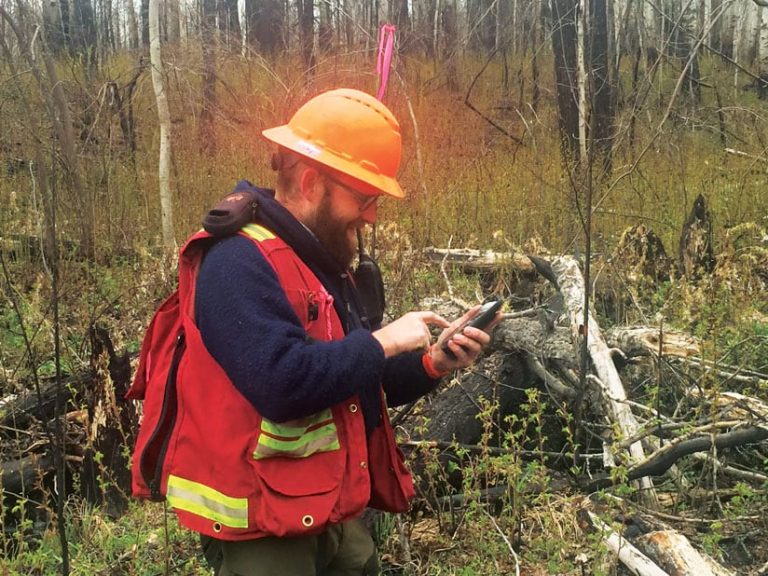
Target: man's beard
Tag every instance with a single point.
(332, 233)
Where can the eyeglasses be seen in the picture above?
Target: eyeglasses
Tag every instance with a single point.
(364, 200)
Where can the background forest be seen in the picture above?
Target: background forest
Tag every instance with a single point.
(542, 127)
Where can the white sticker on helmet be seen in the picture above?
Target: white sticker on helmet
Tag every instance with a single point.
(307, 148)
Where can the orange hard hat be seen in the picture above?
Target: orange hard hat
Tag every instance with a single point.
(349, 132)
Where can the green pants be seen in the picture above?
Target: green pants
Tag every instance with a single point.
(342, 550)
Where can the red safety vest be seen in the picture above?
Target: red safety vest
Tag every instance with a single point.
(227, 471)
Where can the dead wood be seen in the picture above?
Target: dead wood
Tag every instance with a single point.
(650, 341)
(695, 251)
(641, 252)
(22, 476)
(675, 554)
(612, 390)
(470, 259)
(661, 460)
(27, 407)
(99, 425)
(637, 562)
(451, 413)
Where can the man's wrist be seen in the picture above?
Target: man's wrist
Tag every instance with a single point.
(432, 371)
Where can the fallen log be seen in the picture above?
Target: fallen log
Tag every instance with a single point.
(663, 459)
(480, 259)
(649, 341)
(637, 562)
(614, 397)
(19, 477)
(98, 425)
(675, 554)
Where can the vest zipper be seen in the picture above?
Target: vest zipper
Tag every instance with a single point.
(153, 455)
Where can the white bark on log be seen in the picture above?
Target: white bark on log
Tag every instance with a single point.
(751, 410)
(164, 118)
(571, 285)
(675, 554)
(480, 259)
(644, 341)
(635, 561)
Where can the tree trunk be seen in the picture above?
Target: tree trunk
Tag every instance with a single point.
(232, 28)
(451, 46)
(307, 25)
(481, 23)
(325, 29)
(505, 26)
(349, 24)
(145, 24)
(173, 21)
(763, 52)
(600, 89)
(403, 22)
(164, 118)
(738, 42)
(117, 35)
(82, 31)
(105, 35)
(535, 39)
(53, 28)
(264, 25)
(62, 121)
(582, 27)
(564, 49)
(133, 25)
(207, 134)
(687, 45)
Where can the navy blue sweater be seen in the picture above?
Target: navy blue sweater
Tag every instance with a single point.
(251, 330)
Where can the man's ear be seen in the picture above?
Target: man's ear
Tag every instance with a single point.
(311, 184)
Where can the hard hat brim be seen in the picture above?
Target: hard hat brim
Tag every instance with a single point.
(367, 182)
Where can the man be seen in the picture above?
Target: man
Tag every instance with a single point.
(282, 437)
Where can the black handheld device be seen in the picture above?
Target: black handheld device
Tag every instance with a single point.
(483, 317)
(232, 212)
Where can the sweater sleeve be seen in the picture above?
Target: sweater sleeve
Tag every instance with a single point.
(251, 330)
(405, 379)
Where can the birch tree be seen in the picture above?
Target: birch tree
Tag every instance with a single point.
(763, 53)
(164, 118)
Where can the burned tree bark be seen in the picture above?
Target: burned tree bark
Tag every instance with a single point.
(696, 252)
(100, 424)
(564, 50)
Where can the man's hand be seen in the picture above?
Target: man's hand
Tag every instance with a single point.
(465, 345)
(409, 332)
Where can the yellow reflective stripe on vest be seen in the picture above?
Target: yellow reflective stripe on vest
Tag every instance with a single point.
(206, 502)
(258, 232)
(298, 438)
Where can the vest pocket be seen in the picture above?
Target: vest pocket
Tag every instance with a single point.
(298, 496)
(314, 310)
